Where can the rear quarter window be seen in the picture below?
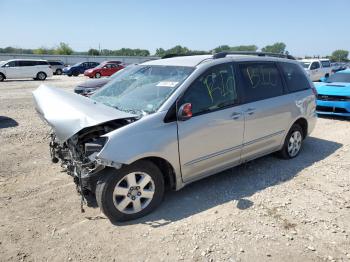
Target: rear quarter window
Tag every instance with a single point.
(294, 77)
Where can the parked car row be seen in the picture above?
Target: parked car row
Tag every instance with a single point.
(25, 68)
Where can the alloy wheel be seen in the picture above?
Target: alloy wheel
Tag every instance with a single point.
(133, 193)
(294, 143)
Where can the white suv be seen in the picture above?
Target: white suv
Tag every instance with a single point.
(317, 68)
(25, 68)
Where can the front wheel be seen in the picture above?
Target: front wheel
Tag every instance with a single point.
(58, 71)
(97, 75)
(130, 192)
(41, 76)
(293, 142)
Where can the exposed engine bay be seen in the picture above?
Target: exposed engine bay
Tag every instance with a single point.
(78, 154)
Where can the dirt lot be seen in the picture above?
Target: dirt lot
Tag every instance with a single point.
(267, 210)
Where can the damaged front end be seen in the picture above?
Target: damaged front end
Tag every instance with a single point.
(78, 154)
(78, 125)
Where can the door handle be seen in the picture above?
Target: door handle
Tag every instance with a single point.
(250, 111)
(236, 115)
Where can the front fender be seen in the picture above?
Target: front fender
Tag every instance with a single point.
(147, 137)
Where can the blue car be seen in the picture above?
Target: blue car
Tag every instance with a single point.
(79, 68)
(334, 94)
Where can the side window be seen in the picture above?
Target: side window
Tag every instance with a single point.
(262, 81)
(315, 65)
(214, 89)
(326, 63)
(26, 63)
(12, 64)
(295, 78)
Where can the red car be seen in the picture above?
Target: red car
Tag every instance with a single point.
(104, 69)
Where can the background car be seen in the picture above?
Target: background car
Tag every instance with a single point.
(79, 68)
(56, 66)
(338, 67)
(317, 68)
(334, 94)
(88, 87)
(25, 68)
(104, 69)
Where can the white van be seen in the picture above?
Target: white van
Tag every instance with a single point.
(25, 68)
(317, 68)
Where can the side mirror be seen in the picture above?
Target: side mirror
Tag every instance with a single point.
(185, 112)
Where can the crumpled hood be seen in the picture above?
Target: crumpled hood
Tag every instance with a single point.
(335, 88)
(68, 113)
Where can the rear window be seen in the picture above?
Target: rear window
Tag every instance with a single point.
(326, 63)
(294, 76)
(262, 81)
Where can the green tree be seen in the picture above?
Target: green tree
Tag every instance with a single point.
(63, 49)
(278, 48)
(93, 52)
(340, 55)
(43, 51)
(221, 48)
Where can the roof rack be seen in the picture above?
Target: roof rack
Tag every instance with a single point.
(187, 54)
(225, 53)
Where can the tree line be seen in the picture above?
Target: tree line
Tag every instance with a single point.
(65, 49)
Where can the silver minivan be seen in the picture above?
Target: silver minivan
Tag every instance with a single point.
(165, 123)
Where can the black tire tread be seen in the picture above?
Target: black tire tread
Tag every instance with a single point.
(111, 176)
(283, 153)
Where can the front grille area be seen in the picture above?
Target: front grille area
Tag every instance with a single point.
(333, 98)
(331, 109)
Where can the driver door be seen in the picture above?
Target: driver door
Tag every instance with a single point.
(211, 140)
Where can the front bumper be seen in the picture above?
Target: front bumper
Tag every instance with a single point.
(340, 108)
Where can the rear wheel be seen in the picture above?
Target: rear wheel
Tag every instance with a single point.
(131, 192)
(97, 75)
(293, 142)
(75, 73)
(2, 77)
(41, 76)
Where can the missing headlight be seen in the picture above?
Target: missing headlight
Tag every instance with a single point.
(92, 148)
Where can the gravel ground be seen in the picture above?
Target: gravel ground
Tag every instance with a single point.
(267, 210)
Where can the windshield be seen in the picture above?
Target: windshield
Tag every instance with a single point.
(305, 64)
(339, 77)
(142, 89)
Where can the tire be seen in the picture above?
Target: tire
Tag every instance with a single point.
(75, 73)
(69, 75)
(293, 143)
(58, 71)
(2, 77)
(326, 75)
(41, 76)
(128, 203)
(98, 75)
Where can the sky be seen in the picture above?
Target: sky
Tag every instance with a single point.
(307, 27)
